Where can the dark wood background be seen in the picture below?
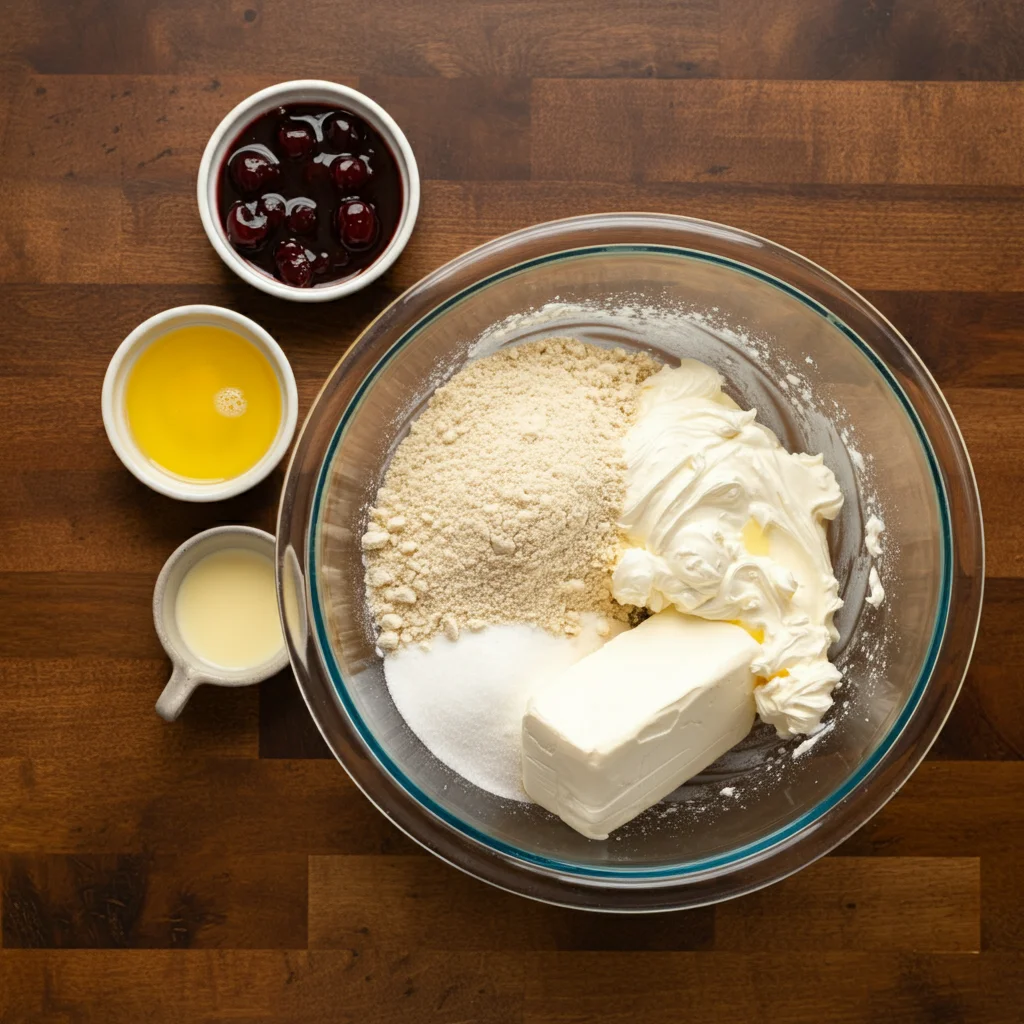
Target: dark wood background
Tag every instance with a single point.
(223, 868)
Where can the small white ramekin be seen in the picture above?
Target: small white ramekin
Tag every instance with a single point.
(190, 670)
(115, 414)
(306, 91)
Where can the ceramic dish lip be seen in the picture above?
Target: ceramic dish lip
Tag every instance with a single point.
(115, 420)
(217, 538)
(509, 868)
(310, 91)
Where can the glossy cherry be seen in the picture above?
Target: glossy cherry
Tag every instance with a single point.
(293, 263)
(246, 226)
(357, 223)
(350, 173)
(253, 170)
(343, 132)
(302, 216)
(295, 139)
(274, 207)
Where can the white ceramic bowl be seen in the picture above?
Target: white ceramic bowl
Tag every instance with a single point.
(306, 91)
(115, 416)
(190, 670)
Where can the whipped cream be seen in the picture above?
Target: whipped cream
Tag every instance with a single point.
(725, 524)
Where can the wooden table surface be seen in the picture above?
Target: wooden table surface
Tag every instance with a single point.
(223, 868)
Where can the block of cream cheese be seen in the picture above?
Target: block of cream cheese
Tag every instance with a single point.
(613, 734)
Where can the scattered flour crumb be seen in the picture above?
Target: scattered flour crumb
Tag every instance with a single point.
(873, 529)
(813, 739)
(877, 595)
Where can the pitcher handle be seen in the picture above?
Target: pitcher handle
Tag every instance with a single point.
(176, 693)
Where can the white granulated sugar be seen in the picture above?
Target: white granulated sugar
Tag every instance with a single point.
(501, 505)
(465, 700)
(728, 791)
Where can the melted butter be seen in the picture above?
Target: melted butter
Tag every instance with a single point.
(203, 403)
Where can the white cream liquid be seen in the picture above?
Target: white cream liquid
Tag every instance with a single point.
(226, 609)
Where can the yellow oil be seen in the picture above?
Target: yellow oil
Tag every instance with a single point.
(203, 403)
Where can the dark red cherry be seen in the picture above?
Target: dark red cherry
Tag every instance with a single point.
(253, 170)
(350, 173)
(293, 264)
(343, 132)
(302, 216)
(321, 262)
(273, 207)
(318, 169)
(295, 139)
(246, 226)
(357, 223)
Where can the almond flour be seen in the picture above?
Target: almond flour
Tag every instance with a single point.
(500, 505)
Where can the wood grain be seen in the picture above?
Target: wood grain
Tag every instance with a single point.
(224, 868)
(913, 40)
(444, 38)
(154, 901)
(836, 133)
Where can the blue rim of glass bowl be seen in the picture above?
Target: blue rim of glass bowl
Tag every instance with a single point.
(621, 873)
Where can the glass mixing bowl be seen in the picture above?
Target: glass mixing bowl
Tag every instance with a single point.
(828, 374)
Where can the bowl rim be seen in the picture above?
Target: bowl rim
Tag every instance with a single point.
(115, 420)
(614, 883)
(310, 90)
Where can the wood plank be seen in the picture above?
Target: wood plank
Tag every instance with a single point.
(83, 705)
(365, 903)
(894, 238)
(918, 904)
(231, 986)
(154, 901)
(999, 467)
(946, 809)
(286, 729)
(120, 805)
(909, 40)
(845, 904)
(445, 38)
(967, 339)
(97, 613)
(779, 132)
(987, 721)
(57, 520)
(76, 328)
(773, 985)
(458, 130)
(961, 809)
